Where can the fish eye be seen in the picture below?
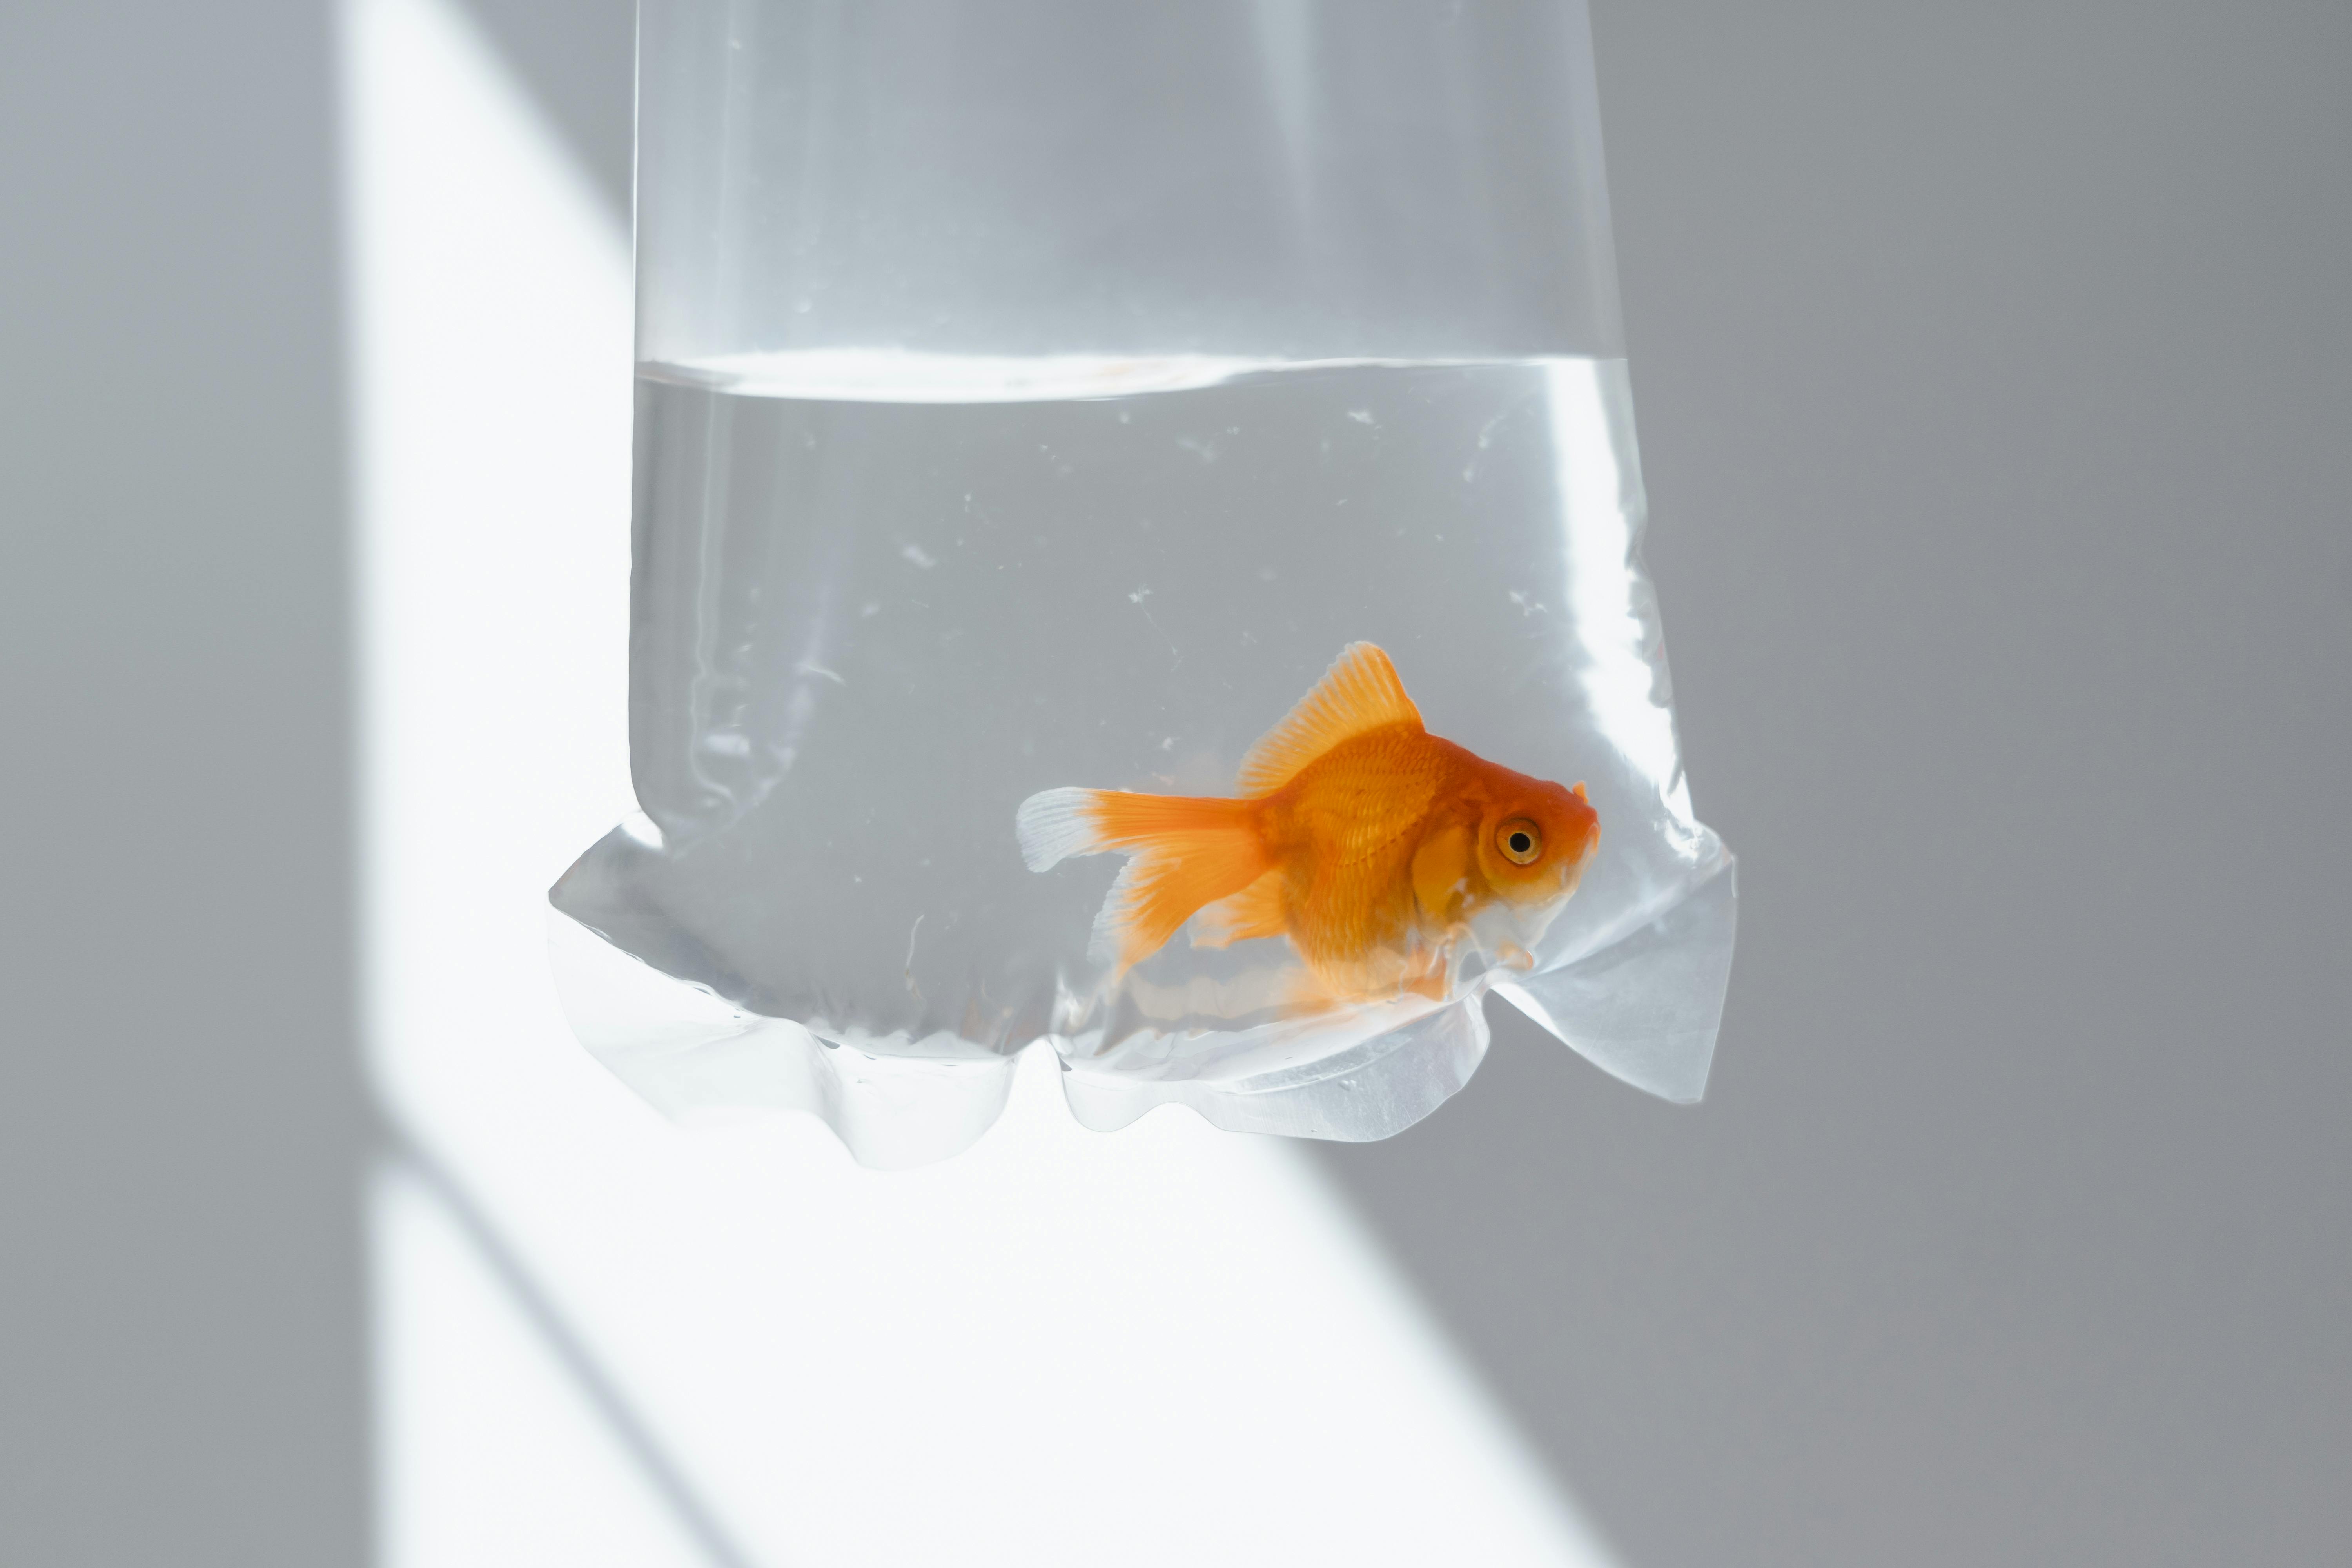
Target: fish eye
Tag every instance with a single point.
(1519, 840)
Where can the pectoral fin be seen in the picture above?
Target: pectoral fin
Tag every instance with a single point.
(1441, 877)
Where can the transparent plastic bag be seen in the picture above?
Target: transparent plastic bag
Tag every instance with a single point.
(1041, 396)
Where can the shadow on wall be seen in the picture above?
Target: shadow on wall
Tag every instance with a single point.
(183, 1373)
(578, 58)
(1991, 366)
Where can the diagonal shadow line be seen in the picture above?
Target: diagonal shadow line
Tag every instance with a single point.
(576, 60)
(693, 1511)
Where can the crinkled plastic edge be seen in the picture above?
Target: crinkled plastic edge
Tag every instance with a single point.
(1645, 1008)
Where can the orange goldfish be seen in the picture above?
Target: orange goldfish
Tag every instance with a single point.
(1370, 843)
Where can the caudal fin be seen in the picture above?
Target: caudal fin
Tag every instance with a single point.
(1055, 825)
(1183, 852)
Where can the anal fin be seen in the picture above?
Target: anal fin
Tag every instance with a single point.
(1257, 911)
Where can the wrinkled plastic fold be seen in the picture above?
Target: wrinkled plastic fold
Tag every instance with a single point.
(1644, 1009)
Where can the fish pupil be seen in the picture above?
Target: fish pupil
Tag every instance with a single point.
(1521, 843)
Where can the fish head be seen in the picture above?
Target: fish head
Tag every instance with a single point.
(1535, 838)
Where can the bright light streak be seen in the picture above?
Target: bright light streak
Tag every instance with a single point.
(452, 1346)
(1601, 479)
(1166, 1345)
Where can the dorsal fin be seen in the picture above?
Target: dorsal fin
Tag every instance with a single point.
(1360, 691)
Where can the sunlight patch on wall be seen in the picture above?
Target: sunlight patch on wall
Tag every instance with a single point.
(1166, 1345)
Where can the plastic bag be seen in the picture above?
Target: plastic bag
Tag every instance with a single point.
(1043, 400)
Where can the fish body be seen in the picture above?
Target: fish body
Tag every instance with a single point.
(1373, 846)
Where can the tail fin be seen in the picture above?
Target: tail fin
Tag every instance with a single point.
(1182, 852)
(1055, 825)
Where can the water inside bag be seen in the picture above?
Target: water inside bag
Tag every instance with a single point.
(880, 599)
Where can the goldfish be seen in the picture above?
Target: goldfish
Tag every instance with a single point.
(1374, 847)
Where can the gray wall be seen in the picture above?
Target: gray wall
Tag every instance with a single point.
(1994, 365)
(182, 1372)
(1995, 376)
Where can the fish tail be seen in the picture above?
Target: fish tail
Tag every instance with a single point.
(1055, 825)
(1183, 852)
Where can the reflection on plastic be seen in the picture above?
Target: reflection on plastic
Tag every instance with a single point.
(882, 600)
(1646, 1009)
